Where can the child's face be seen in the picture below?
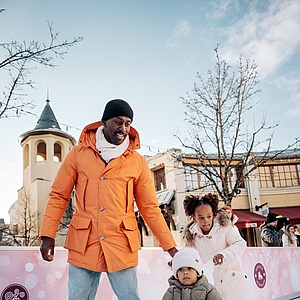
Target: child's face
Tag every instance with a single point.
(187, 275)
(229, 213)
(203, 216)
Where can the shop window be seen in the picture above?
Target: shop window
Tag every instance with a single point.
(192, 177)
(160, 179)
(278, 176)
(195, 178)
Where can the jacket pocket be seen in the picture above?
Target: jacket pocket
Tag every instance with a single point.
(234, 279)
(132, 233)
(78, 234)
(81, 186)
(129, 196)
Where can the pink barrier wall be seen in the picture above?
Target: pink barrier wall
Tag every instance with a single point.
(272, 273)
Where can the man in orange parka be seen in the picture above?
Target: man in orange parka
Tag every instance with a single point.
(108, 175)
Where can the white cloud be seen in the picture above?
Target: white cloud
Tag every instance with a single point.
(269, 37)
(181, 31)
(295, 111)
(291, 84)
(218, 9)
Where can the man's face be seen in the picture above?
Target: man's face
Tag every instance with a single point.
(273, 224)
(116, 129)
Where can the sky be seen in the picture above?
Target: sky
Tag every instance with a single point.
(149, 53)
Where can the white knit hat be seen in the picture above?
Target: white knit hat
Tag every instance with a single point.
(187, 257)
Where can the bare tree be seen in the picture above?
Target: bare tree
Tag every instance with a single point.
(67, 216)
(219, 135)
(24, 229)
(20, 59)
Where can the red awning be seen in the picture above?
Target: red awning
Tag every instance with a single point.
(248, 219)
(292, 213)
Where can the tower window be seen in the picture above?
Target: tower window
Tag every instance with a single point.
(26, 156)
(41, 154)
(57, 153)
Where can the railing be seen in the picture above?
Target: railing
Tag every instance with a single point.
(272, 273)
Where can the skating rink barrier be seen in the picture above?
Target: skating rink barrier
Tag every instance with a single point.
(272, 273)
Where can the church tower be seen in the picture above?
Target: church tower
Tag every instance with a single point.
(44, 149)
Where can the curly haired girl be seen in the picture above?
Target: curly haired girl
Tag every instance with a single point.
(217, 239)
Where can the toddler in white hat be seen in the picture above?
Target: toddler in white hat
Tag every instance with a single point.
(188, 280)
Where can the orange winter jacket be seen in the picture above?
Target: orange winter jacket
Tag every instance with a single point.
(103, 233)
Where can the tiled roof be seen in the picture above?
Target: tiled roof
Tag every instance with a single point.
(47, 119)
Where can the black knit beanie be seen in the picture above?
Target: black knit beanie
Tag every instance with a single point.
(271, 218)
(116, 108)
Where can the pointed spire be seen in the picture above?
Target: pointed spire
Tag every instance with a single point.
(47, 119)
(48, 93)
(47, 124)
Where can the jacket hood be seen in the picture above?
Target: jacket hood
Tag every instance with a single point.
(88, 136)
(201, 280)
(221, 220)
(262, 226)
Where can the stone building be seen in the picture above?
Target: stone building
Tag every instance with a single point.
(44, 148)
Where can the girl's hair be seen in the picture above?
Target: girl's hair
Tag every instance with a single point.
(191, 202)
(287, 232)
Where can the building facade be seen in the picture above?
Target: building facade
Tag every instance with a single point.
(273, 186)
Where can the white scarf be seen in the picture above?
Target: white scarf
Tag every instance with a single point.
(109, 151)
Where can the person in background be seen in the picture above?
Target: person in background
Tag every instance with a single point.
(232, 217)
(288, 238)
(269, 235)
(217, 240)
(108, 175)
(188, 281)
(297, 234)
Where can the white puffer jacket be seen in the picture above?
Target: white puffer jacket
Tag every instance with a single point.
(224, 238)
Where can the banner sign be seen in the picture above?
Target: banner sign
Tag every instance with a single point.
(272, 273)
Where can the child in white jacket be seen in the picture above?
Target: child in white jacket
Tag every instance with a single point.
(217, 239)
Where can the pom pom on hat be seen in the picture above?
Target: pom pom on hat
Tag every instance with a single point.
(271, 218)
(116, 108)
(187, 257)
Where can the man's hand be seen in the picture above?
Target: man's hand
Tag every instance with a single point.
(47, 248)
(172, 251)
